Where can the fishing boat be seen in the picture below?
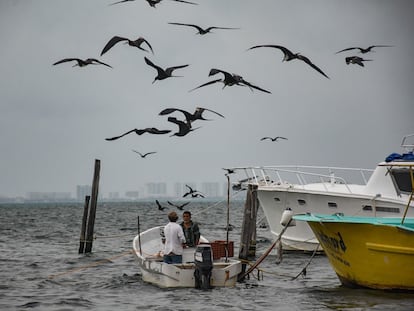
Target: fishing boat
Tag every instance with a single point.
(382, 192)
(369, 252)
(208, 265)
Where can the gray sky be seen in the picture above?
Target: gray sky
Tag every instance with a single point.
(54, 119)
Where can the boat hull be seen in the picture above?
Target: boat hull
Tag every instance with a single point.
(275, 200)
(371, 252)
(147, 249)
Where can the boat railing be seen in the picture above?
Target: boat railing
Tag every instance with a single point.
(302, 175)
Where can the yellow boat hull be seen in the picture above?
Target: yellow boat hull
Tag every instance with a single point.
(366, 253)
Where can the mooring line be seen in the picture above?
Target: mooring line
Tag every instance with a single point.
(97, 263)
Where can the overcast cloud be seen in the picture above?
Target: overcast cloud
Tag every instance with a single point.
(54, 119)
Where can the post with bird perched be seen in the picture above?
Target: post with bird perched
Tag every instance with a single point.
(248, 232)
(92, 209)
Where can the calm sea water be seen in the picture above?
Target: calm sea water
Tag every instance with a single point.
(42, 270)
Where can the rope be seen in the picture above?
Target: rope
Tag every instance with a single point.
(97, 263)
(303, 271)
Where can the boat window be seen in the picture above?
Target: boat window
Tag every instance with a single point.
(381, 209)
(366, 207)
(402, 179)
(332, 204)
(301, 202)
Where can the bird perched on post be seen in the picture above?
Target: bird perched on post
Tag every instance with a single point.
(136, 43)
(229, 80)
(163, 73)
(201, 31)
(82, 62)
(356, 60)
(363, 50)
(289, 55)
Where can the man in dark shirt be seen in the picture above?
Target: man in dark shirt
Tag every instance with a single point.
(191, 230)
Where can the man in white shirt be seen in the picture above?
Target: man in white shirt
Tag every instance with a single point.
(174, 240)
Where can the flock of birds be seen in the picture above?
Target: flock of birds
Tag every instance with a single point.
(185, 124)
(193, 193)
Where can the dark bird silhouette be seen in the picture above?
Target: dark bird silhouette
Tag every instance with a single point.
(194, 193)
(163, 73)
(183, 127)
(160, 207)
(363, 50)
(201, 31)
(229, 80)
(273, 138)
(180, 207)
(190, 117)
(82, 62)
(289, 55)
(143, 155)
(136, 43)
(152, 3)
(229, 171)
(356, 60)
(150, 130)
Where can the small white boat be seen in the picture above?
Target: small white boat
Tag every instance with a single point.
(382, 192)
(200, 267)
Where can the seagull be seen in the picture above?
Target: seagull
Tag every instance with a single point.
(362, 50)
(145, 154)
(202, 31)
(190, 117)
(163, 74)
(273, 138)
(183, 127)
(150, 130)
(229, 80)
(194, 193)
(82, 62)
(356, 60)
(137, 43)
(289, 55)
(180, 207)
(160, 207)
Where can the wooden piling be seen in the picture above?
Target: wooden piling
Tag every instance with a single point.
(92, 209)
(248, 233)
(83, 227)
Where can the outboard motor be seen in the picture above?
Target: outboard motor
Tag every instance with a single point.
(203, 259)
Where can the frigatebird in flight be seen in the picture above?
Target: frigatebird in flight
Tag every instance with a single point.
(143, 155)
(183, 127)
(194, 193)
(356, 60)
(163, 73)
(289, 55)
(190, 117)
(363, 50)
(136, 43)
(152, 3)
(273, 138)
(82, 62)
(229, 80)
(180, 206)
(202, 31)
(150, 130)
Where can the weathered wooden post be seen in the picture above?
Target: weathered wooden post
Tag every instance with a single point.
(92, 209)
(83, 227)
(248, 233)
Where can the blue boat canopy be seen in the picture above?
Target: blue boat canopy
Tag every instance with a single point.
(400, 157)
